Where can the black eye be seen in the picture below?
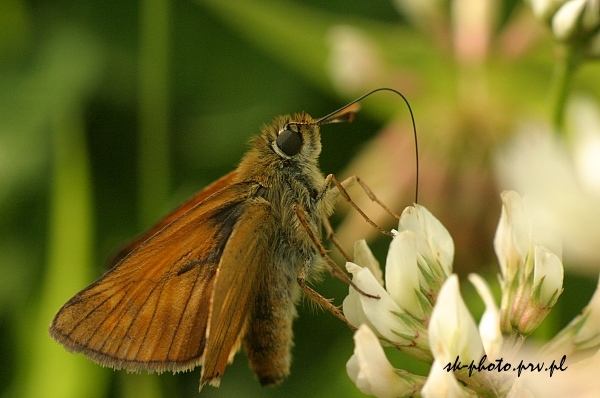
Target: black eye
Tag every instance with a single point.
(289, 142)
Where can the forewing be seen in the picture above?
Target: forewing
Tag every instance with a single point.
(221, 183)
(240, 274)
(151, 310)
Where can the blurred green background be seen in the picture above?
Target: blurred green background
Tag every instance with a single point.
(112, 113)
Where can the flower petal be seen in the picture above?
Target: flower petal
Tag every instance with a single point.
(565, 203)
(352, 306)
(371, 371)
(452, 329)
(565, 21)
(544, 9)
(380, 313)
(579, 379)
(548, 266)
(434, 242)
(489, 325)
(513, 235)
(585, 128)
(365, 258)
(402, 273)
(441, 383)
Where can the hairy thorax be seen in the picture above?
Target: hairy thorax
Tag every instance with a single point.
(288, 184)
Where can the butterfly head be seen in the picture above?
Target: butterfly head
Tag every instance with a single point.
(298, 137)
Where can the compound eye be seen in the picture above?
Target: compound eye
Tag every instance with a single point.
(289, 141)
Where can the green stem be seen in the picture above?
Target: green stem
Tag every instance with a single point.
(153, 141)
(512, 345)
(563, 74)
(153, 144)
(52, 372)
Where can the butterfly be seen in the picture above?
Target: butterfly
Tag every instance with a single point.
(224, 269)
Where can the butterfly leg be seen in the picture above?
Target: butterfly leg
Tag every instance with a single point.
(351, 180)
(340, 189)
(320, 300)
(333, 268)
(331, 237)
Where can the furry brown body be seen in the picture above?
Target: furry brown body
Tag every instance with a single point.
(284, 183)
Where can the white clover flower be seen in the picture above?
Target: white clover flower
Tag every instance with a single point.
(579, 379)
(373, 374)
(561, 180)
(381, 314)
(531, 275)
(452, 329)
(568, 17)
(364, 256)
(584, 120)
(582, 334)
(384, 315)
(513, 235)
(489, 324)
(419, 260)
(545, 9)
(442, 384)
(572, 21)
(548, 274)
(565, 20)
(466, 358)
(576, 18)
(435, 247)
(402, 274)
(453, 335)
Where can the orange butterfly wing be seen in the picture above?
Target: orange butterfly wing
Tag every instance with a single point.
(243, 265)
(151, 311)
(221, 183)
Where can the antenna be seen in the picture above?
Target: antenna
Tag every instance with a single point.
(346, 113)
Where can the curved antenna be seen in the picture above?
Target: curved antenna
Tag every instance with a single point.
(345, 114)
